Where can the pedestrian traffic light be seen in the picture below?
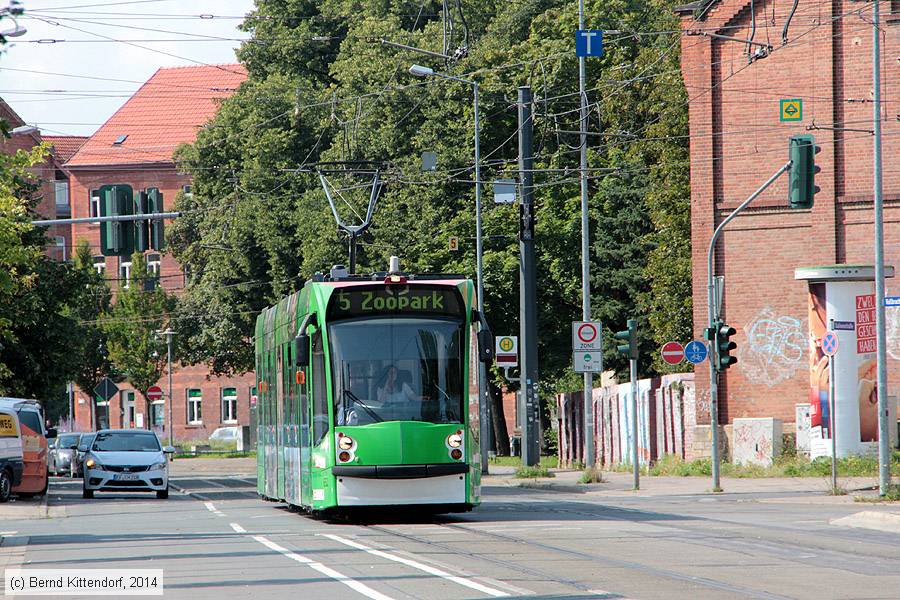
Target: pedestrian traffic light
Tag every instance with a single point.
(630, 349)
(802, 174)
(156, 227)
(724, 346)
(116, 239)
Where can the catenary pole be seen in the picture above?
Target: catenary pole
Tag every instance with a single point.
(529, 404)
(585, 248)
(884, 450)
(169, 333)
(832, 418)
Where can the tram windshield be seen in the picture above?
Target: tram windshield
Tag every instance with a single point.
(397, 368)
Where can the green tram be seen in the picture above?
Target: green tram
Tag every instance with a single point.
(367, 393)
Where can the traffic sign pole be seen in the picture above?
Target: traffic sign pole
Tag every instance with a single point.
(634, 425)
(832, 418)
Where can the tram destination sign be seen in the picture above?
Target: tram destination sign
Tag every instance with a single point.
(358, 302)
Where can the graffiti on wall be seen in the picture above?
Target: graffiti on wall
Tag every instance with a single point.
(775, 347)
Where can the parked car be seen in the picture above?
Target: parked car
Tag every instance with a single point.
(126, 460)
(62, 454)
(226, 436)
(11, 462)
(35, 447)
(83, 444)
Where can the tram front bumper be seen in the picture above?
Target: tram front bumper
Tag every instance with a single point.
(382, 491)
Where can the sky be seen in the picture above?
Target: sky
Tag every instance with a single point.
(63, 86)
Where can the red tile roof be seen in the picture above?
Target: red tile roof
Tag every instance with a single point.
(65, 146)
(165, 112)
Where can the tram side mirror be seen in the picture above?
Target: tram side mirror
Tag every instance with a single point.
(301, 350)
(486, 346)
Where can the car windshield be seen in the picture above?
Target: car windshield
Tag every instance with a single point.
(126, 442)
(86, 441)
(68, 440)
(397, 369)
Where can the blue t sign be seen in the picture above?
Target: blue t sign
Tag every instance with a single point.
(589, 42)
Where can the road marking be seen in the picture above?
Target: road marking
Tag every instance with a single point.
(215, 483)
(213, 509)
(8, 532)
(420, 566)
(610, 595)
(238, 528)
(339, 577)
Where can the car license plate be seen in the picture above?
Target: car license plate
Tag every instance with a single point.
(126, 477)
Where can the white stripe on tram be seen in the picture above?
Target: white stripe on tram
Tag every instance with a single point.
(469, 583)
(339, 577)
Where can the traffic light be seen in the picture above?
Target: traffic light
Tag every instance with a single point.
(156, 227)
(116, 239)
(724, 346)
(140, 227)
(630, 349)
(802, 174)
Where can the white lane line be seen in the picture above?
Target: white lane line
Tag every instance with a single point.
(212, 508)
(420, 566)
(610, 595)
(340, 577)
(8, 532)
(238, 528)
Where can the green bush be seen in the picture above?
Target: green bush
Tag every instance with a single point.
(592, 475)
(533, 472)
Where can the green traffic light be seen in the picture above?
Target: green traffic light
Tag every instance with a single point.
(724, 346)
(801, 180)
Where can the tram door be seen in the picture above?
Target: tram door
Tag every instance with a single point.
(305, 438)
(279, 417)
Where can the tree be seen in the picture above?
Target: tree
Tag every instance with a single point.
(140, 311)
(89, 305)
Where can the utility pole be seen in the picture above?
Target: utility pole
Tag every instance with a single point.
(169, 333)
(585, 249)
(529, 404)
(884, 450)
(632, 326)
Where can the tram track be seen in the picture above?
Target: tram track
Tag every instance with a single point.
(592, 558)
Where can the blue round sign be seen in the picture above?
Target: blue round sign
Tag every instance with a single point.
(695, 352)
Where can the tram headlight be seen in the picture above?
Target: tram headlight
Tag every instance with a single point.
(345, 442)
(344, 456)
(456, 454)
(455, 440)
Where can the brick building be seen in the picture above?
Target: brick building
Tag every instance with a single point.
(135, 147)
(53, 198)
(823, 56)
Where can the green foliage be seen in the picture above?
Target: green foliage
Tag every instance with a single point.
(133, 325)
(892, 494)
(533, 472)
(592, 475)
(322, 89)
(548, 462)
(784, 466)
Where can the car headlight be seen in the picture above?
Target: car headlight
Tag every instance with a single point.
(158, 466)
(93, 464)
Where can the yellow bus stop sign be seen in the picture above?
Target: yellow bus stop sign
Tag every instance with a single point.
(791, 109)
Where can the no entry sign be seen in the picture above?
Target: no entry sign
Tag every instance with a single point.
(586, 335)
(672, 353)
(154, 393)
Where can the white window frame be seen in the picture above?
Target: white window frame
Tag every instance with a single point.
(187, 190)
(94, 201)
(229, 402)
(194, 407)
(125, 274)
(60, 242)
(154, 265)
(100, 264)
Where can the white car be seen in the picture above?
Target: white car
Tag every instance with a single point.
(126, 460)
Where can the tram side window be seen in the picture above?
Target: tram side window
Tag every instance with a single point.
(320, 391)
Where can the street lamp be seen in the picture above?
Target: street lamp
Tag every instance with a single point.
(422, 71)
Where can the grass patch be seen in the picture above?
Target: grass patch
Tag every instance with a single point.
(784, 466)
(516, 461)
(533, 472)
(892, 495)
(592, 475)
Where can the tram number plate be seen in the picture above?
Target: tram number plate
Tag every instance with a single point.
(126, 477)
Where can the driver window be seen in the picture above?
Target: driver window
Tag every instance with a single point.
(320, 390)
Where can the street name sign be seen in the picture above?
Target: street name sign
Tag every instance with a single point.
(791, 109)
(892, 300)
(106, 389)
(843, 325)
(672, 352)
(589, 42)
(507, 352)
(695, 352)
(587, 361)
(586, 336)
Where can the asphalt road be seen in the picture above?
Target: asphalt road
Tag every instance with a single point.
(216, 539)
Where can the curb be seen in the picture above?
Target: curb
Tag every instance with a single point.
(549, 486)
